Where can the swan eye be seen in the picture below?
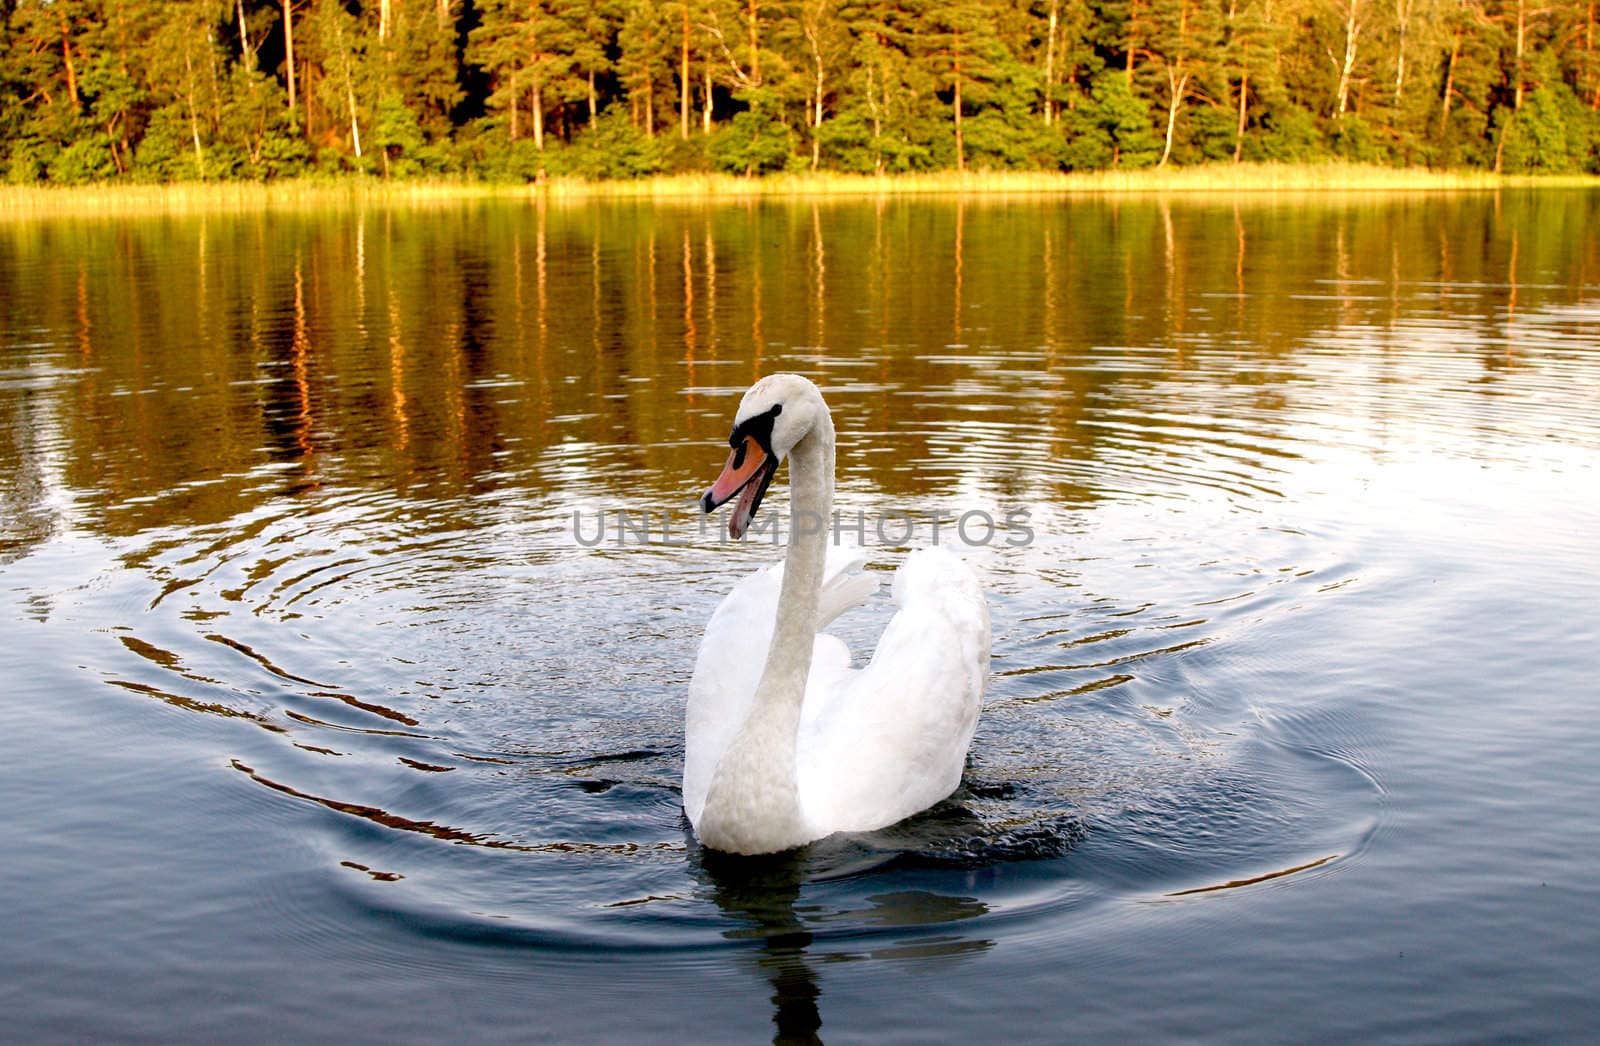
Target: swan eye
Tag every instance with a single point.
(757, 427)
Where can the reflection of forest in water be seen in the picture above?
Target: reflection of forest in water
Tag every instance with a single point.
(458, 351)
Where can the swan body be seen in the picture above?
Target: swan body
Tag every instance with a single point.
(786, 742)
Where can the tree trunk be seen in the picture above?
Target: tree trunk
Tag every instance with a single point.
(961, 145)
(350, 97)
(755, 43)
(1133, 37)
(194, 112)
(538, 115)
(594, 102)
(1176, 85)
(1402, 19)
(705, 87)
(288, 49)
(245, 50)
(514, 105)
(649, 109)
(1522, 36)
(1589, 50)
(877, 113)
(1244, 99)
(116, 154)
(1352, 31)
(816, 137)
(813, 34)
(66, 58)
(1050, 64)
(683, 77)
(385, 14)
(1449, 82)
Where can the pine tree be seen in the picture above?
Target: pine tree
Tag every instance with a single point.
(526, 47)
(593, 22)
(1185, 41)
(421, 64)
(180, 62)
(827, 45)
(645, 41)
(642, 64)
(337, 102)
(957, 41)
(1112, 128)
(884, 119)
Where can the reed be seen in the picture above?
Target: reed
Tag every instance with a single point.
(18, 202)
(1203, 179)
(111, 200)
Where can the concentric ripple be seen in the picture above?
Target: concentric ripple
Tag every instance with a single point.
(409, 558)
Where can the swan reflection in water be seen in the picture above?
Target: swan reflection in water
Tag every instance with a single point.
(761, 896)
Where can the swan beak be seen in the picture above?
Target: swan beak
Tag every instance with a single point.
(747, 473)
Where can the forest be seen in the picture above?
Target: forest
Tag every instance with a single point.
(522, 90)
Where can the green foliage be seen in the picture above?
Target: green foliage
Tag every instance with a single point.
(756, 141)
(83, 161)
(848, 144)
(1209, 135)
(1112, 128)
(1553, 133)
(496, 158)
(1288, 134)
(398, 134)
(997, 140)
(1351, 138)
(166, 152)
(27, 161)
(161, 90)
(255, 129)
(614, 149)
(1464, 141)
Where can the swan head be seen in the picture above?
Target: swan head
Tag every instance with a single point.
(776, 413)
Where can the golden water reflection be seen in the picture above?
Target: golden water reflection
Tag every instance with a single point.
(176, 371)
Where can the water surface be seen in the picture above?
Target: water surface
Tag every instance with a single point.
(340, 695)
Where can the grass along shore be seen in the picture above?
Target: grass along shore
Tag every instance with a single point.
(112, 200)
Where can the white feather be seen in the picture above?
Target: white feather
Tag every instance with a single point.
(826, 747)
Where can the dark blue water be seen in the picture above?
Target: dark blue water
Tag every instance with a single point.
(319, 717)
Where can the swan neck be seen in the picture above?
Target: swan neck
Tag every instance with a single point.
(753, 801)
(810, 505)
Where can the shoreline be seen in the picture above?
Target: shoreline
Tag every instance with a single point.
(1260, 180)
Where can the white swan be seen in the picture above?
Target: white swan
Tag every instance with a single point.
(785, 742)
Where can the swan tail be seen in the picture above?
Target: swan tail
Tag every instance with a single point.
(936, 575)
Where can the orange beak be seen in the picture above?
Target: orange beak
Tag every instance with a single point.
(747, 473)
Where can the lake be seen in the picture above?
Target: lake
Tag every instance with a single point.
(350, 584)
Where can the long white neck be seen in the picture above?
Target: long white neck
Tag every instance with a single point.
(753, 803)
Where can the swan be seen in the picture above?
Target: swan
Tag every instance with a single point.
(785, 742)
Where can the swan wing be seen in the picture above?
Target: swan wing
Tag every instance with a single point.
(882, 742)
(733, 653)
